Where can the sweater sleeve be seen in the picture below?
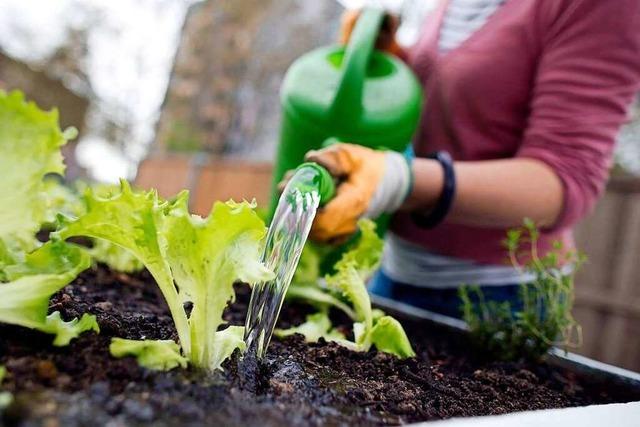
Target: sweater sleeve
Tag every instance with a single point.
(588, 73)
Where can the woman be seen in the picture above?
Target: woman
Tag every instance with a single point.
(526, 97)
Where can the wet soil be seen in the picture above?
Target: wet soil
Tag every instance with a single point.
(299, 383)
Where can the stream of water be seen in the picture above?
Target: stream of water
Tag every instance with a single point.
(287, 235)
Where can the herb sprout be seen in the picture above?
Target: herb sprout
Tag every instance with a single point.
(506, 332)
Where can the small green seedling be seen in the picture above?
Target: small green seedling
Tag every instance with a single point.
(505, 332)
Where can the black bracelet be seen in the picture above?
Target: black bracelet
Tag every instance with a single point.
(443, 206)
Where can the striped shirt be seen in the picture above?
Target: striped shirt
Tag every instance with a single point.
(411, 264)
(463, 18)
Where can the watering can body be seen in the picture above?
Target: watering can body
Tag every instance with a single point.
(350, 93)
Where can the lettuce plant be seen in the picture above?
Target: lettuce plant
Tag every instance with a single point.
(24, 300)
(346, 290)
(30, 141)
(194, 260)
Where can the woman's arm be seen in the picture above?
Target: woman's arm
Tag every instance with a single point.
(494, 193)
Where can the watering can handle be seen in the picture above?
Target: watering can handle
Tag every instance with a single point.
(347, 102)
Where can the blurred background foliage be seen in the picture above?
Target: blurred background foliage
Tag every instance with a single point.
(140, 76)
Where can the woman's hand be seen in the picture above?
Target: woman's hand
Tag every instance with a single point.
(370, 183)
(386, 38)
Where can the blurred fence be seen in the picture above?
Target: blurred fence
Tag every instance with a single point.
(206, 178)
(607, 289)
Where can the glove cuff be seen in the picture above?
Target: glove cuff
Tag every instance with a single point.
(394, 186)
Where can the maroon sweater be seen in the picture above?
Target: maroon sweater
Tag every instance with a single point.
(544, 79)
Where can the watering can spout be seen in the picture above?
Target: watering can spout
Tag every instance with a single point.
(347, 103)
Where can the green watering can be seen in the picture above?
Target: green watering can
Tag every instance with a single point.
(352, 94)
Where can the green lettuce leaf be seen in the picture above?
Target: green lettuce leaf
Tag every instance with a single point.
(132, 220)
(207, 255)
(366, 254)
(61, 199)
(115, 257)
(158, 355)
(389, 336)
(30, 141)
(24, 300)
(224, 343)
(320, 296)
(316, 326)
(66, 331)
(194, 260)
(70, 202)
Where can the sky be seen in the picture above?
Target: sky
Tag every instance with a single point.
(131, 45)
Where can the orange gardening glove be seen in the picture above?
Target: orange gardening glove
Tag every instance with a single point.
(370, 183)
(386, 39)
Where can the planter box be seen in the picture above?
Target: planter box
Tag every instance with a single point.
(592, 371)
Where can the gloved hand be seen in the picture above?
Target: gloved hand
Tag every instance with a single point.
(386, 38)
(370, 183)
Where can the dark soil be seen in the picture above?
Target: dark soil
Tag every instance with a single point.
(299, 384)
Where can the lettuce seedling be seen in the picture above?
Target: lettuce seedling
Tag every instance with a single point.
(24, 300)
(194, 260)
(30, 141)
(346, 290)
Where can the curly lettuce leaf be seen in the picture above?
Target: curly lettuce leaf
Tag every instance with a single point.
(132, 220)
(316, 326)
(389, 336)
(350, 283)
(353, 269)
(30, 141)
(193, 259)
(157, 355)
(66, 331)
(24, 300)
(366, 254)
(61, 199)
(207, 255)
